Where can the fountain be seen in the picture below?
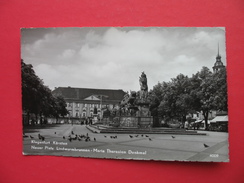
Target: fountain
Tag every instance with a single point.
(133, 111)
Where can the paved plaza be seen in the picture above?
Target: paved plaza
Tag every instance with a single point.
(57, 141)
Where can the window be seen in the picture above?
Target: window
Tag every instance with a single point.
(70, 113)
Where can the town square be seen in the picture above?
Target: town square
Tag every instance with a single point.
(129, 114)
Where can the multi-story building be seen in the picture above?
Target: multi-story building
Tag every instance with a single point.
(87, 102)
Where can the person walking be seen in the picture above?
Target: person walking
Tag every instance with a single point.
(186, 125)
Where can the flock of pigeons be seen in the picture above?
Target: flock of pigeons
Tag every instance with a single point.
(81, 137)
(142, 135)
(40, 137)
(86, 138)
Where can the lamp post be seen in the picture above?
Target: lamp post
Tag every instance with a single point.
(101, 102)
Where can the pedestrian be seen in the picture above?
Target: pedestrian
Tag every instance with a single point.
(194, 125)
(186, 125)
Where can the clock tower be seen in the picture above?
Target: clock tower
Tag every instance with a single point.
(218, 64)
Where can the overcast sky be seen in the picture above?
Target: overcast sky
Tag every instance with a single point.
(114, 57)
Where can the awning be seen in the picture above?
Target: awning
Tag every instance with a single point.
(198, 121)
(201, 121)
(219, 119)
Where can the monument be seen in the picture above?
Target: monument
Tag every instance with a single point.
(133, 111)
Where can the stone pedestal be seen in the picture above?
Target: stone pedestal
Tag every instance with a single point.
(145, 122)
(128, 122)
(144, 111)
(142, 119)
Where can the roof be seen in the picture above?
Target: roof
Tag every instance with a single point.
(219, 119)
(202, 121)
(83, 93)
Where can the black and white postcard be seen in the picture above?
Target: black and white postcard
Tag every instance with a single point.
(141, 93)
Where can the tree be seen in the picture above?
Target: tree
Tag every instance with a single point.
(209, 91)
(203, 92)
(154, 98)
(183, 99)
(175, 98)
(37, 98)
(30, 85)
(220, 99)
(60, 107)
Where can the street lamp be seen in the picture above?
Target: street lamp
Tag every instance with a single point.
(101, 102)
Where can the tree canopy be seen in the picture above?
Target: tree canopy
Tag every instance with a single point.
(37, 98)
(203, 92)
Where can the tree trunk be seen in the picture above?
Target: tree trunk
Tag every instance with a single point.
(36, 120)
(40, 118)
(205, 114)
(183, 119)
(28, 118)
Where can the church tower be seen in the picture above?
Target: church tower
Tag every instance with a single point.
(218, 64)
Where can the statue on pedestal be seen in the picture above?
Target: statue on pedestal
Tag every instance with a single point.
(134, 108)
(143, 93)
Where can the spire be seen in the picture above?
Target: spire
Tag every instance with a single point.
(218, 56)
(218, 48)
(218, 64)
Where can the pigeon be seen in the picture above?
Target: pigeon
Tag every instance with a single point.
(105, 136)
(150, 139)
(87, 139)
(24, 135)
(31, 137)
(75, 138)
(63, 137)
(131, 136)
(142, 135)
(72, 132)
(146, 135)
(80, 136)
(54, 132)
(205, 145)
(136, 136)
(94, 139)
(43, 138)
(173, 136)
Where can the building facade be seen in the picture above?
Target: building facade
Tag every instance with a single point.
(83, 103)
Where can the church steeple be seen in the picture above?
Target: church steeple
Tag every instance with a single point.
(218, 64)
(218, 49)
